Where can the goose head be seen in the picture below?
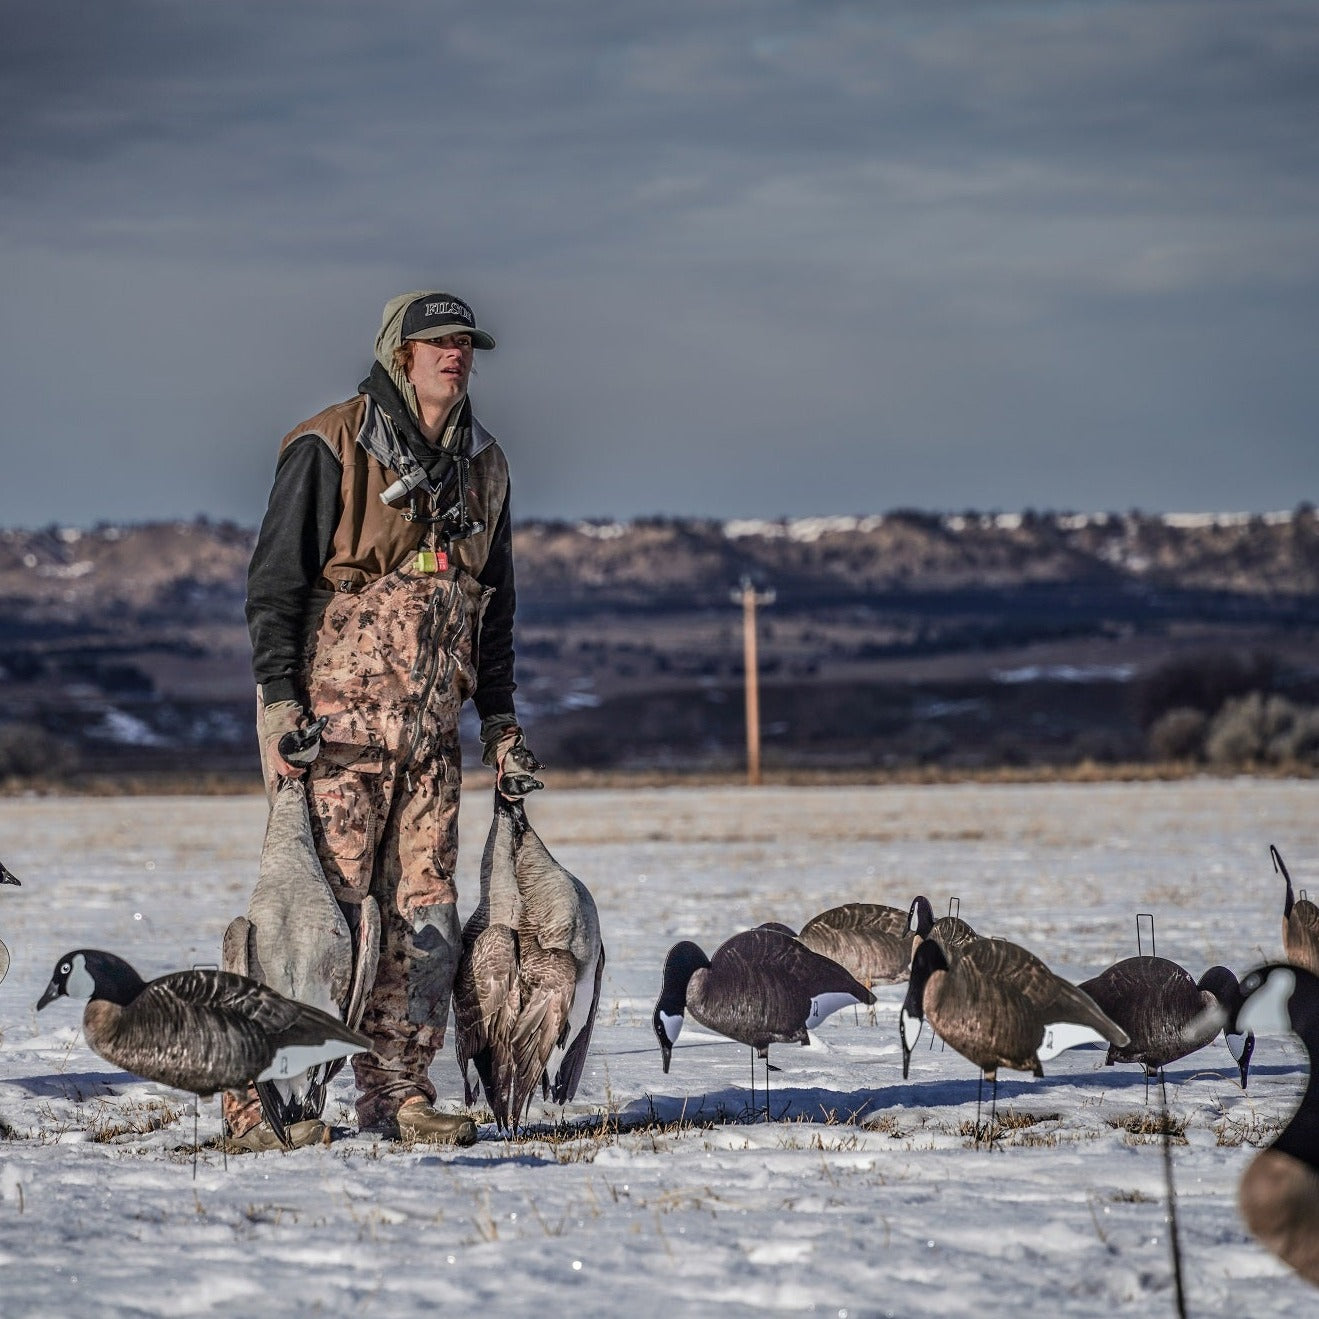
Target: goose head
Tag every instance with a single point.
(1222, 985)
(6, 875)
(927, 959)
(683, 960)
(88, 973)
(920, 917)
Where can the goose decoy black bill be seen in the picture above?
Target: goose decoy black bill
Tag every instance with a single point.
(1300, 922)
(872, 941)
(201, 1030)
(951, 933)
(1155, 1001)
(528, 981)
(1279, 1191)
(296, 939)
(998, 1005)
(761, 987)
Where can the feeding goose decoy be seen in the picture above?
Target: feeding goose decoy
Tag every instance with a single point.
(296, 939)
(872, 941)
(1300, 922)
(998, 1005)
(528, 980)
(200, 1030)
(951, 933)
(1279, 1191)
(761, 987)
(1155, 1001)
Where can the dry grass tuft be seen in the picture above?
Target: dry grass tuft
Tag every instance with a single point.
(1145, 1128)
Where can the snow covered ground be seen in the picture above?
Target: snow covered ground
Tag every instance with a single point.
(862, 1197)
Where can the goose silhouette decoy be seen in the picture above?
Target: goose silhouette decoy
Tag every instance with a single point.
(1279, 1192)
(6, 877)
(201, 1030)
(1155, 1001)
(951, 933)
(528, 980)
(296, 939)
(872, 941)
(761, 987)
(998, 1005)
(1300, 922)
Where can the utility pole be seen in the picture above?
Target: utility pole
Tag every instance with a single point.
(747, 596)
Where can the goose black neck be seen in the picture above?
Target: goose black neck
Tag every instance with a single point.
(115, 980)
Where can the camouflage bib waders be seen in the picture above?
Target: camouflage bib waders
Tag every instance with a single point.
(390, 668)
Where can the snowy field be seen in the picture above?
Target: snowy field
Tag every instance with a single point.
(665, 1194)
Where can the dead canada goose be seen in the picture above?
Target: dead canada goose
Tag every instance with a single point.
(6, 877)
(1300, 923)
(1279, 1192)
(871, 941)
(201, 1030)
(761, 987)
(998, 1005)
(951, 933)
(528, 980)
(296, 939)
(1155, 1001)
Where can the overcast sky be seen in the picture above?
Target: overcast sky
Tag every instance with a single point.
(742, 257)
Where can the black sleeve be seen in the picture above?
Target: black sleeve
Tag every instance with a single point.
(494, 661)
(292, 547)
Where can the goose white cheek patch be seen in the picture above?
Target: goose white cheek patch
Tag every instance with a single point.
(911, 1029)
(825, 1005)
(1265, 1011)
(672, 1026)
(79, 983)
(1236, 1044)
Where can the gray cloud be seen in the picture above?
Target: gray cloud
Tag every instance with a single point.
(753, 258)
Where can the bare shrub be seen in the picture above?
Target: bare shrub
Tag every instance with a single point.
(27, 751)
(1179, 734)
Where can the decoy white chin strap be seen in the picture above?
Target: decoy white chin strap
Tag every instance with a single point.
(79, 983)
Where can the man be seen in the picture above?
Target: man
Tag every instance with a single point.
(380, 597)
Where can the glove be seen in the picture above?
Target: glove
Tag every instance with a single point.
(289, 743)
(505, 749)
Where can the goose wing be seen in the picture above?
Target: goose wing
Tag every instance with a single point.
(871, 941)
(549, 977)
(563, 1072)
(486, 1002)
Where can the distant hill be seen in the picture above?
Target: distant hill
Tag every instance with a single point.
(902, 638)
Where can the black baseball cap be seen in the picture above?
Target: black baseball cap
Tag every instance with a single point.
(433, 315)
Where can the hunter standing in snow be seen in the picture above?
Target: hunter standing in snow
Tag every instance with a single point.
(380, 596)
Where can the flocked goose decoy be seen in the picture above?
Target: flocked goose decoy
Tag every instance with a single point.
(1300, 922)
(761, 987)
(872, 941)
(528, 980)
(1279, 1191)
(951, 933)
(201, 1030)
(6, 877)
(1155, 1001)
(998, 1005)
(296, 939)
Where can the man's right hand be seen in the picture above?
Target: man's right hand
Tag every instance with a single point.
(279, 720)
